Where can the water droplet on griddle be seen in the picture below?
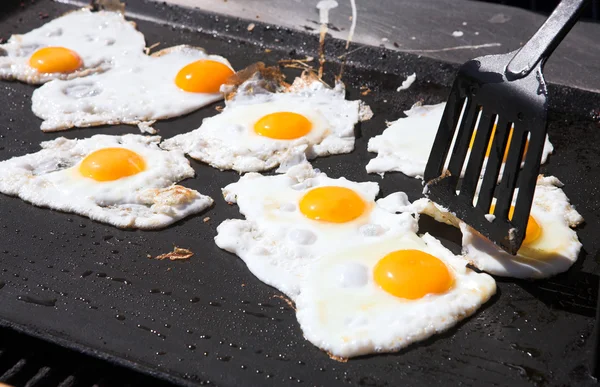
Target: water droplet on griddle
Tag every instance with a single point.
(191, 347)
(120, 317)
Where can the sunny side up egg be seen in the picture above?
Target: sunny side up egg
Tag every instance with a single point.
(260, 129)
(405, 145)
(169, 83)
(296, 217)
(126, 181)
(550, 245)
(381, 297)
(74, 45)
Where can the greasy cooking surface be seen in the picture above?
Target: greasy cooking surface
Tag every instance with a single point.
(92, 287)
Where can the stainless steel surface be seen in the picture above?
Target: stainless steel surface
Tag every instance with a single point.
(449, 30)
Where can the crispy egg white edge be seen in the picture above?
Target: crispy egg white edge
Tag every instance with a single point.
(165, 205)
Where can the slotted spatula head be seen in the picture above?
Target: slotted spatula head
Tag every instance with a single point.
(485, 109)
(497, 103)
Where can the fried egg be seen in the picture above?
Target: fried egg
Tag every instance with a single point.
(381, 297)
(169, 83)
(293, 218)
(126, 181)
(260, 129)
(405, 145)
(74, 45)
(550, 245)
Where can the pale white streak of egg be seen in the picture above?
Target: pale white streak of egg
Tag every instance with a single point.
(407, 82)
(324, 6)
(458, 34)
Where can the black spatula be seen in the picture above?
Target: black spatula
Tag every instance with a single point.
(506, 92)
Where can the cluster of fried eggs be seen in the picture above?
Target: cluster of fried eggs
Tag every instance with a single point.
(362, 279)
(166, 84)
(74, 45)
(405, 145)
(550, 245)
(260, 129)
(96, 70)
(126, 181)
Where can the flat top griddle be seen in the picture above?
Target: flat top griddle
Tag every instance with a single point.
(91, 287)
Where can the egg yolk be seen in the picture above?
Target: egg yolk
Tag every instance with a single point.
(111, 164)
(489, 148)
(533, 230)
(412, 274)
(332, 204)
(203, 76)
(55, 60)
(283, 126)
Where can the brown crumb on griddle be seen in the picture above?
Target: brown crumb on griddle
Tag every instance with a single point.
(337, 358)
(365, 90)
(287, 301)
(148, 256)
(251, 26)
(148, 49)
(206, 219)
(301, 64)
(177, 254)
(268, 50)
(219, 108)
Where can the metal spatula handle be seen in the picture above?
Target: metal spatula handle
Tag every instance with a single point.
(546, 39)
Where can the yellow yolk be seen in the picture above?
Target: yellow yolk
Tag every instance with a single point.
(111, 164)
(412, 274)
(489, 148)
(55, 60)
(533, 230)
(283, 126)
(332, 204)
(203, 76)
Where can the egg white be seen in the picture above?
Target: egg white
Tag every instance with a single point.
(147, 200)
(228, 140)
(278, 243)
(141, 90)
(102, 40)
(344, 312)
(405, 145)
(555, 251)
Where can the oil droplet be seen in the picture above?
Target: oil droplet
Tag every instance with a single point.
(194, 299)
(38, 301)
(212, 303)
(120, 317)
(224, 358)
(86, 273)
(191, 347)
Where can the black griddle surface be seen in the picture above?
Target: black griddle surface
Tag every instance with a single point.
(91, 287)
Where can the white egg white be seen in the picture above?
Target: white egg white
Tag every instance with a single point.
(147, 200)
(228, 140)
(102, 40)
(555, 251)
(342, 310)
(278, 243)
(138, 92)
(405, 145)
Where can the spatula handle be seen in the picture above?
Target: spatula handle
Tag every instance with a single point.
(546, 39)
